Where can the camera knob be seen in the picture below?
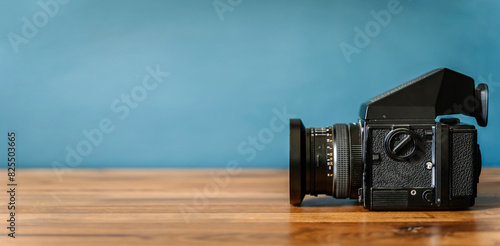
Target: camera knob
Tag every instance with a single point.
(400, 144)
(428, 196)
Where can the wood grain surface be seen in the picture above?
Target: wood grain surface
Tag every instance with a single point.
(223, 207)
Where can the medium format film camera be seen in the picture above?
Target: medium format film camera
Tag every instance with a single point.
(397, 157)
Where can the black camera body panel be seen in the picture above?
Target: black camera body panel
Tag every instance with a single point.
(437, 167)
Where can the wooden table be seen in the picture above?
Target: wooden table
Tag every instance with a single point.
(223, 207)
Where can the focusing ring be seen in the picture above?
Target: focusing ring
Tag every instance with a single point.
(341, 161)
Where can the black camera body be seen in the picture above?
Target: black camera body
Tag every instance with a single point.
(397, 157)
(420, 166)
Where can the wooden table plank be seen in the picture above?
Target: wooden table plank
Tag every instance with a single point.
(214, 207)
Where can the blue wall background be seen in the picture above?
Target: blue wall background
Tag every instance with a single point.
(227, 74)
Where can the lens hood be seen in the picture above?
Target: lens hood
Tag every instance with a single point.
(297, 157)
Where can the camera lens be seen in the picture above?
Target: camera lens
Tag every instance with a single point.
(324, 161)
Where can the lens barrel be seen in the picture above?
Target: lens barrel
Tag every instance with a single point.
(324, 161)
